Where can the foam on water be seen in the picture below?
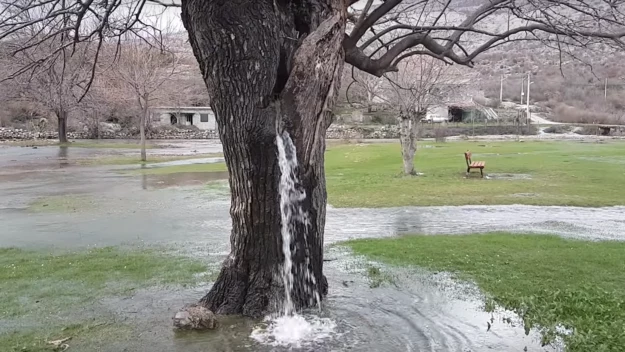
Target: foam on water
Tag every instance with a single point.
(294, 330)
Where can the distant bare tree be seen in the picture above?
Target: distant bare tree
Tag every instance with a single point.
(369, 86)
(142, 70)
(57, 85)
(415, 88)
(49, 67)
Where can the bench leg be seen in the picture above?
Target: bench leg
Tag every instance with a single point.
(482, 173)
(468, 171)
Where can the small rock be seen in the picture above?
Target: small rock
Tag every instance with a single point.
(195, 317)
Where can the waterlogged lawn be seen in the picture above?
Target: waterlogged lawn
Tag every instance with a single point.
(566, 173)
(109, 145)
(33, 281)
(42, 294)
(88, 336)
(136, 159)
(69, 203)
(547, 280)
(561, 173)
(165, 170)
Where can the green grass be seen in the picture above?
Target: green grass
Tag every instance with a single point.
(562, 173)
(87, 336)
(181, 169)
(69, 203)
(219, 187)
(377, 277)
(547, 280)
(32, 282)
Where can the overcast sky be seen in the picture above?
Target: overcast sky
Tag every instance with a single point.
(169, 18)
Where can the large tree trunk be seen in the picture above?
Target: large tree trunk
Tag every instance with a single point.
(62, 122)
(269, 66)
(408, 133)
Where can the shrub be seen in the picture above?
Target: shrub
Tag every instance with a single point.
(588, 130)
(566, 113)
(21, 114)
(448, 131)
(558, 129)
(440, 134)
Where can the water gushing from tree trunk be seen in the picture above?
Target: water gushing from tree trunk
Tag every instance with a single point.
(293, 218)
(288, 327)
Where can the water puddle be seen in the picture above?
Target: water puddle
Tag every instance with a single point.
(181, 179)
(213, 160)
(512, 177)
(420, 311)
(573, 222)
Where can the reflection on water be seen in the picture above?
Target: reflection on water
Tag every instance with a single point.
(144, 179)
(63, 156)
(213, 160)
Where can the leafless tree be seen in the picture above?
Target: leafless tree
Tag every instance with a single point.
(369, 87)
(141, 71)
(57, 85)
(274, 67)
(420, 82)
(49, 71)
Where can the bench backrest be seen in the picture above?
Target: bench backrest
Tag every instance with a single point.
(467, 157)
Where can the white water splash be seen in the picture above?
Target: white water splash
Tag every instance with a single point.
(294, 331)
(290, 328)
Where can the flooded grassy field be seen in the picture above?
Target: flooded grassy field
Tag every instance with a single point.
(171, 216)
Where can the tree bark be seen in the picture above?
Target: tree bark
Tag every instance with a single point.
(269, 66)
(408, 133)
(142, 121)
(62, 122)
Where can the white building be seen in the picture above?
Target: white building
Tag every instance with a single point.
(202, 117)
(437, 114)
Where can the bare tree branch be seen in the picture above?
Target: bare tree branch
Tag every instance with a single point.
(382, 35)
(438, 31)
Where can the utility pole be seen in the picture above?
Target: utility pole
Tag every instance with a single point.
(472, 120)
(501, 90)
(522, 89)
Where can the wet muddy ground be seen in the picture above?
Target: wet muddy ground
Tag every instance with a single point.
(48, 201)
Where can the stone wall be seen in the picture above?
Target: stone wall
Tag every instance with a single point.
(425, 131)
(170, 133)
(362, 132)
(334, 132)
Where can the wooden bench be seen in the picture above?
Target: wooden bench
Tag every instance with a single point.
(474, 164)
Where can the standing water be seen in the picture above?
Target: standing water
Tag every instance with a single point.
(290, 328)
